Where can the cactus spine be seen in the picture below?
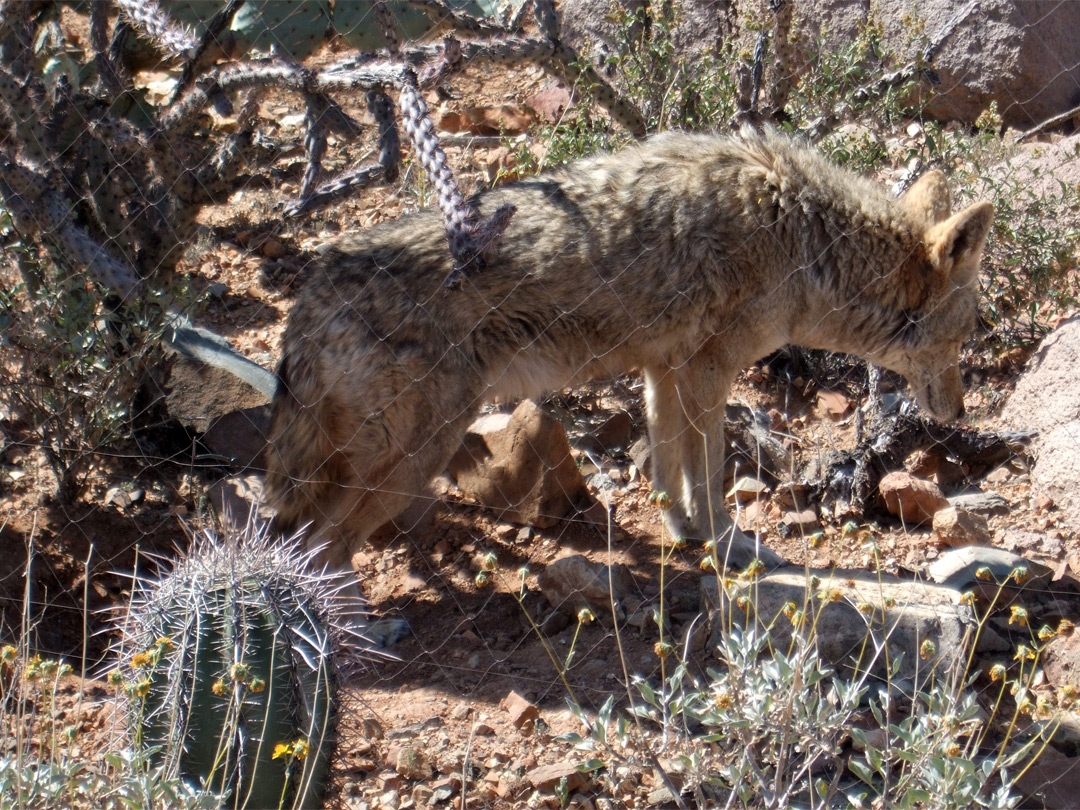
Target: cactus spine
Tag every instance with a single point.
(231, 665)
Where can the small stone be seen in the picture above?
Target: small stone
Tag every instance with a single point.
(911, 499)
(391, 800)
(124, 498)
(981, 503)
(832, 404)
(954, 526)
(922, 463)
(546, 777)
(422, 795)
(641, 454)
(745, 489)
(412, 763)
(273, 249)
(1043, 503)
(801, 521)
(999, 475)
(482, 729)
(523, 714)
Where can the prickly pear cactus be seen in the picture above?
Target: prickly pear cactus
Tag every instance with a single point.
(230, 663)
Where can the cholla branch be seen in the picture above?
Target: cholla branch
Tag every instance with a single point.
(468, 237)
(147, 16)
(566, 64)
(17, 102)
(382, 108)
(224, 160)
(314, 142)
(336, 188)
(547, 19)
(111, 77)
(387, 23)
(37, 208)
(456, 214)
(219, 23)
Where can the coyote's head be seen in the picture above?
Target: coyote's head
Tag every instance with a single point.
(940, 280)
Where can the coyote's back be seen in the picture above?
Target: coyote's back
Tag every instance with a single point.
(686, 257)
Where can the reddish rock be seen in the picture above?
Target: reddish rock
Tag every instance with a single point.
(911, 499)
(546, 777)
(520, 464)
(523, 714)
(802, 521)
(954, 526)
(832, 404)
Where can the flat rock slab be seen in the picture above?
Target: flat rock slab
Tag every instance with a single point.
(841, 607)
(960, 568)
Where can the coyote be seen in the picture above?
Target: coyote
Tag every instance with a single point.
(686, 257)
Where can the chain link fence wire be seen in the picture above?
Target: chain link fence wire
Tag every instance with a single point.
(173, 175)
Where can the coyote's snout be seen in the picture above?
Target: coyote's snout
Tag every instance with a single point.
(687, 257)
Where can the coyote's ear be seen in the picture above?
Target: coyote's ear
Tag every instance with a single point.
(955, 244)
(929, 198)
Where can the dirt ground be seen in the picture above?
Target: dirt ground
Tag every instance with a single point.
(438, 690)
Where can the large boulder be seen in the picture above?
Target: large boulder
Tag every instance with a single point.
(1047, 399)
(1023, 54)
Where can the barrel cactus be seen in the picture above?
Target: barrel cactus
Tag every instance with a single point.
(230, 663)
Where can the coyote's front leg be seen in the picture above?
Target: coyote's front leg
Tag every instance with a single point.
(685, 409)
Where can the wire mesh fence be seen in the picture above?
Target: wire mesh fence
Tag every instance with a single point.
(531, 339)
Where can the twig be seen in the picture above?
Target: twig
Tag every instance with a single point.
(1049, 123)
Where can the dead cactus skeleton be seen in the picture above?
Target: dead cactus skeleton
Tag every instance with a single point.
(132, 217)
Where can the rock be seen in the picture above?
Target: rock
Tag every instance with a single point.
(792, 495)
(911, 499)
(520, 464)
(546, 777)
(550, 101)
(197, 393)
(1051, 783)
(613, 434)
(957, 567)
(801, 521)
(845, 605)
(922, 463)
(573, 583)
(1023, 55)
(1060, 659)
(123, 498)
(523, 714)
(641, 454)
(832, 404)
(412, 763)
(1026, 543)
(1047, 399)
(239, 436)
(954, 526)
(981, 503)
(746, 489)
